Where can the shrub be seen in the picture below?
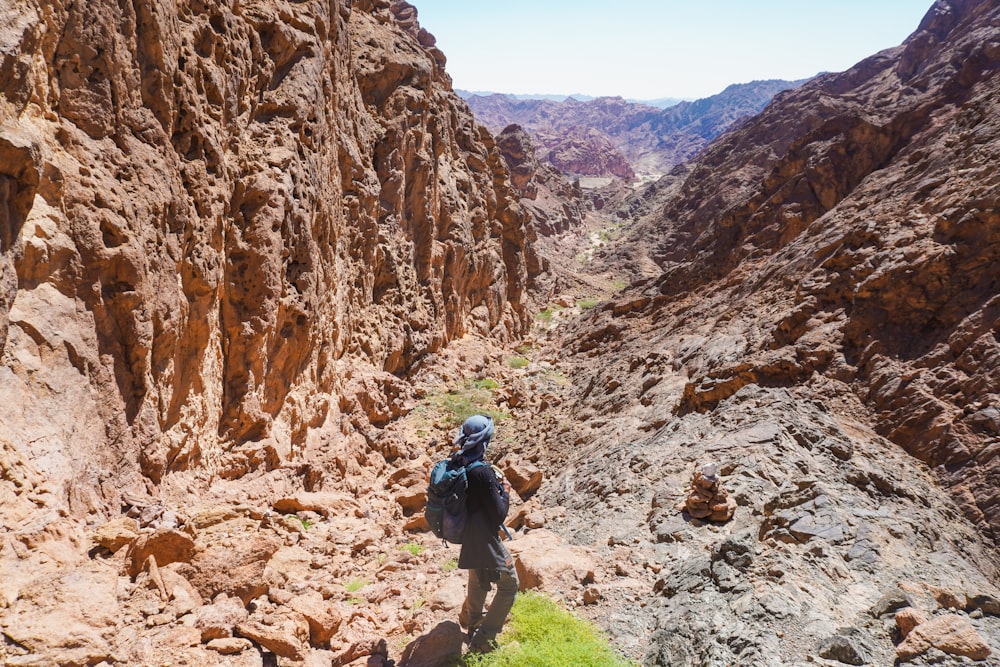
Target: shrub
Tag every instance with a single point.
(486, 383)
(413, 548)
(355, 585)
(587, 304)
(475, 398)
(517, 362)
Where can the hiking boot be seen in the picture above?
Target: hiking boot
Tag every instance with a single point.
(482, 642)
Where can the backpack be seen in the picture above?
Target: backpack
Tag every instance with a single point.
(446, 511)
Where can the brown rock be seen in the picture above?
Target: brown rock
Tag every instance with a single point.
(116, 534)
(523, 477)
(65, 616)
(236, 570)
(229, 645)
(284, 632)
(952, 634)
(180, 591)
(412, 500)
(217, 620)
(166, 545)
(440, 646)
(908, 618)
(323, 617)
(325, 503)
(544, 562)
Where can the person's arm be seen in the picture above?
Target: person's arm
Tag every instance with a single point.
(492, 494)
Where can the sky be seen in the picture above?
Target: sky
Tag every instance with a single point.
(651, 49)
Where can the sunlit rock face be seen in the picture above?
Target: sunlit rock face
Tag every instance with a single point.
(223, 224)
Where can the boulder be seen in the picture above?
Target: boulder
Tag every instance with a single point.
(217, 620)
(236, 569)
(438, 648)
(229, 645)
(323, 617)
(166, 545)
(908, 618)
(952, 634)
(283, 632)
(544, 562)
(523, 477)
(116, 534)
(327, 503)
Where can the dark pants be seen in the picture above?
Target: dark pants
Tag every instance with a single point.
(490, 624)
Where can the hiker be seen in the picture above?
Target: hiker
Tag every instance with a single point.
(483, 554)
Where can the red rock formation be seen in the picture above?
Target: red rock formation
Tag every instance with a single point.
(849, 232)
(627, 137)
(555, 204)
(226, 226)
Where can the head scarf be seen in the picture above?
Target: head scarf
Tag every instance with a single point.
(473, 437)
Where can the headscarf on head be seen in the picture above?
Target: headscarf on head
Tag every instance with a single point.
(472, 438)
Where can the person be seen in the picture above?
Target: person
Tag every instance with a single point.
(483, 554)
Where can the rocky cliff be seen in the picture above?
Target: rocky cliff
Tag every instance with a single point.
(227, 232)
(832, 261)
(211, 211)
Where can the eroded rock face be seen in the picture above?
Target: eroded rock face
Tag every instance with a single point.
(556, 205)
(864, 203)
(226, 226)
(819, 284)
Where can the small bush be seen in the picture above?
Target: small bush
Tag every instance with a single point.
(413, 548)
(486, 383)
(475, 398)
(544, 315)
(587, 304)
(543, 634)
(355, 585)
(517, 362)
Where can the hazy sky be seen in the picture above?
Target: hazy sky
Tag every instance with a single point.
(649, 49)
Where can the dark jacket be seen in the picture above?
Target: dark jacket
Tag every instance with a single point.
(487, 503)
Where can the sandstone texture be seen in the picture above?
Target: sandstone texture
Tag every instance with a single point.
(227, 228)
(227, 233)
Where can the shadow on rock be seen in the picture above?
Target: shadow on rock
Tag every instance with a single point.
(441, 647)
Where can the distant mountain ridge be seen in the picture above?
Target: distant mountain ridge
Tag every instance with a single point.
(660, 102)
(652, 140)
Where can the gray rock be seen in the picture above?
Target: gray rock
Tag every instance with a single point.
(846, 646)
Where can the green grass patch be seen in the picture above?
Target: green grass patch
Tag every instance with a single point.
(306, 523)
(413, 548)
(544, 315)
(619, 284)
(517, 362)
(449, 565)
(543, 634)
(486, 383)
(355, 585)
(587, 304)
(474, 398)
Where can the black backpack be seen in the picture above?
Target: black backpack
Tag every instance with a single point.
(446, 511)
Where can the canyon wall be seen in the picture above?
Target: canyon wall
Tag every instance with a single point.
(228, 230)
(848, 235)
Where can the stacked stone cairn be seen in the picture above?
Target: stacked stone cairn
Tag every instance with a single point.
(707, 499)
